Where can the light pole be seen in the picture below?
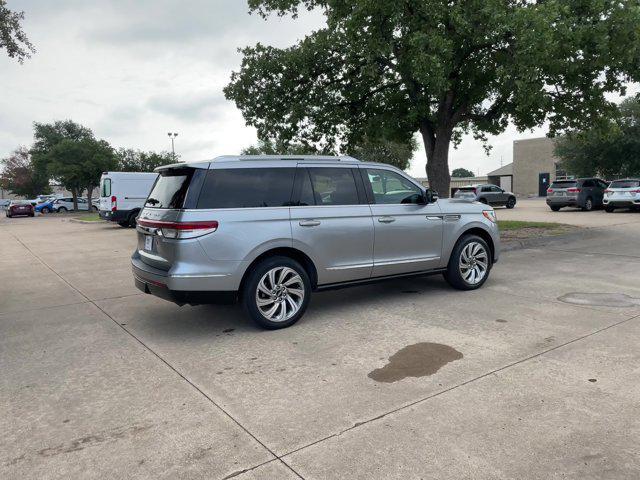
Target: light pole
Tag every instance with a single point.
(172, 136)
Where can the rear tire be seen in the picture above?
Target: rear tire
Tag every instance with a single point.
(62, 210)
(46, 210)
(276, 292)
(555, 209)
(609, 209)
(588, 205)
(470, 263)
(511, 202)
(124, 224)
(132, 218)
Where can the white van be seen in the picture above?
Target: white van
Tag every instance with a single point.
(122, 195)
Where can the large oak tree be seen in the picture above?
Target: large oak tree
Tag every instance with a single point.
(440, 68)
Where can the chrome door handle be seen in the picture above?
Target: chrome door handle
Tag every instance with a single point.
(386, 219)
(309, 223)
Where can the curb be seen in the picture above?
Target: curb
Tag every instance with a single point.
(506, 246)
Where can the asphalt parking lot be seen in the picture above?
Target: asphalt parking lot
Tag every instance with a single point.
(536, 375)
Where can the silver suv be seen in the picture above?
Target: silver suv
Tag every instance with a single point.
(269, 230)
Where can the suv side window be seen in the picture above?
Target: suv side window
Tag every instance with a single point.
(496, 189)
(247, 188)
(334, 186)
(485, 189)
(391, 188)
(588, 183)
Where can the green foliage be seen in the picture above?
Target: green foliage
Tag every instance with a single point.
(397, 154)
(69, 153)
(462, 173)
(609, 149)
(78, 164)
(391, 68)
(130, 160)
(275, 147)
(12, 37)
(19, 175)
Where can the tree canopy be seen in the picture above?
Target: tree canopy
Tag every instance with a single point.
(610, 150)
(462, 173)
(70, 154)
(20, 177)
(131, 160)
(12, 37)
(392, 68)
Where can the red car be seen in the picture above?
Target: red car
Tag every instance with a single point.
(20, 208)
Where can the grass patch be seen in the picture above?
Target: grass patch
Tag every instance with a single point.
(92, 217)
(506, 225)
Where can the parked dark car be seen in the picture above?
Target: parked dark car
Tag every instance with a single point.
(584, 193)
(488, 194)
(18, 208)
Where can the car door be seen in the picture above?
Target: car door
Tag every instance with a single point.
(501, 196)
(487, 194)
(331, 222)
(408, 231)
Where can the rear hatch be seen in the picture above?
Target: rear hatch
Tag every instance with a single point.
(466, 192)
(623, 190)
(159, 242)
(105, 194)
(563, 188)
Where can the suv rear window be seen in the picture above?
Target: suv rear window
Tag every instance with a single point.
(247, 187)
(170, 188)
(564, 184)
(625, 184)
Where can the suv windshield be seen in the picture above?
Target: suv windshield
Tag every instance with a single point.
(625, 184)
(170, 188)
(564, 184)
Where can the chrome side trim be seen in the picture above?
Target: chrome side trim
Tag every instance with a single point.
(348, 267)
(411, 260)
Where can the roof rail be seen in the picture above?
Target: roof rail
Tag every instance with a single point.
(314, 158)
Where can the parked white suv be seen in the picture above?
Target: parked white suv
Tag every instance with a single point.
(622, 194)
(65, 204)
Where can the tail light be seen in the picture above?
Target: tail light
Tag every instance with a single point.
(180, 230)
(635, 191)
(607, 191)
(549, 190)
(475, 190)
(114, 203)
(573, 190)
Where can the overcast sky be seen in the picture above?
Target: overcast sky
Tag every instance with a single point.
(134, 70)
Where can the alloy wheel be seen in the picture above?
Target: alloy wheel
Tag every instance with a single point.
(473, 263)
(280, 294)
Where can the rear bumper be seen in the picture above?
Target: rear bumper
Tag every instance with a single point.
(219, 286)
(182, 297)
(562, 201)
(117, 216)
(622, 203)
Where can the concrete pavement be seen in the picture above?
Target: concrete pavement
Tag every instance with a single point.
(533, 376)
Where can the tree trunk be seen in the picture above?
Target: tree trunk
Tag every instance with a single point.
(89, 193)
(436, 145)
(74, 193)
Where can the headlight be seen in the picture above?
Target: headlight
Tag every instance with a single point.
(490, 215)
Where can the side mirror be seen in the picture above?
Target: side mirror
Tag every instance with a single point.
(431, 195)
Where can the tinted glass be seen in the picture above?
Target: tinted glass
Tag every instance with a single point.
(391, 188)
(563, 184)
(334, 186)
(170, 188)
(588, 183)
(106, 187)
(306, 190)
(247, 188)
(625, 184)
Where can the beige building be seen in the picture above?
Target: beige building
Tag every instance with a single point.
(534, 166)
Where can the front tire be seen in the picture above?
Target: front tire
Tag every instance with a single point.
(511, 202)
(276, 292)
(555, 209)
(62, 210)
(46, 210)
(609, 209)
(469, 264)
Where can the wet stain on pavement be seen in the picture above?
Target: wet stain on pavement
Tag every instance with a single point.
(501, 320)
(418, 360)
(619, 300)
(593, 380)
